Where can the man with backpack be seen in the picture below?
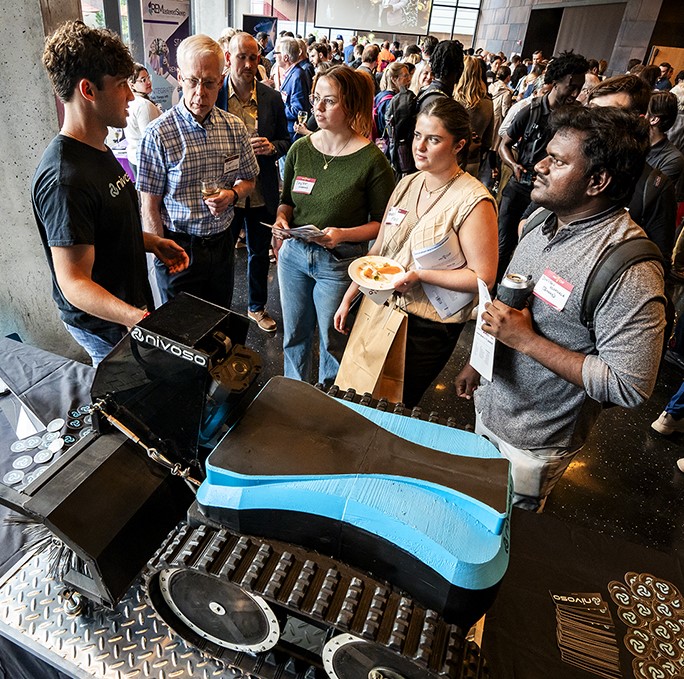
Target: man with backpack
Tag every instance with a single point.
(558, 364)
(446, 63)
(529, 133)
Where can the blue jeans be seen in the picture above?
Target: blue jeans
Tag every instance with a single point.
(312, 284)
(97, 346)
(676, 405)
(258, 243)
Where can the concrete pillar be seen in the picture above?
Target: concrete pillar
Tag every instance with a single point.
(29, 120)
(211, 17)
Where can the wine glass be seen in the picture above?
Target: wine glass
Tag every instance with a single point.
(210, 187)
(302, 117)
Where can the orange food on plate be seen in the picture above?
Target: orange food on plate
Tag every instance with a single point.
(388, 269)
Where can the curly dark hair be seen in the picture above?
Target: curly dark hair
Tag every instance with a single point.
(76, 51)
(614, 140)
(447, 60)
(568, 63)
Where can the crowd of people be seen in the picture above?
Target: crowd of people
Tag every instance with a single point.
(390, 152)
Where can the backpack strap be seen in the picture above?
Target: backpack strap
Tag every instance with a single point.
(534, 118)
(610, 266)
(425, 94)
(533, 221)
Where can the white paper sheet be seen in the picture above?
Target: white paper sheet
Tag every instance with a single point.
(443, 255)
(482, 353)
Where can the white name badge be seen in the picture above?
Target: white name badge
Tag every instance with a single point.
(553, 290)
(303, 185)
(231, 164)
(395, 216)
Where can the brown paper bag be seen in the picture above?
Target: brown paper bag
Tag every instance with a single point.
(373, 361)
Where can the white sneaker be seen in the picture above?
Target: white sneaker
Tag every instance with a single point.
(666, 424)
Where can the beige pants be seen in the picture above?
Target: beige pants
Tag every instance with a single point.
(534, 472)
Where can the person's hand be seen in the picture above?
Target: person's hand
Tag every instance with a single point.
(261, 146)
(280, 228)
(330, 237)
(301, 129)
(518, 170)
(466, 382)
(220, 202)
(340, 318)
(510, 326)
(172, 254)
(404, 282)
(269, 82)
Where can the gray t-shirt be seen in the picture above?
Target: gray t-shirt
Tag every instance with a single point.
(531, 407)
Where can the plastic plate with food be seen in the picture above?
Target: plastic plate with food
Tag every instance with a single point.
(375, 272)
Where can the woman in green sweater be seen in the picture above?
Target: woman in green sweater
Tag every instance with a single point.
(339, 181)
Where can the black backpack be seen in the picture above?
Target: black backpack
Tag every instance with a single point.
(533, 136)
(400, 119)
(610, 266)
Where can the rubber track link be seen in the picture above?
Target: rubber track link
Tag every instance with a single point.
(325, 593)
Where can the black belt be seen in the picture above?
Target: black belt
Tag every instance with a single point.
(192, 240)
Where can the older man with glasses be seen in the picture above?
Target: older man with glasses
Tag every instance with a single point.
(195, 163)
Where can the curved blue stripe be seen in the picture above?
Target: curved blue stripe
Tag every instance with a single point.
(436, 530)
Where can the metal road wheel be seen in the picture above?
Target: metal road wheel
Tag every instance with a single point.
(348, 657)
(218, 611)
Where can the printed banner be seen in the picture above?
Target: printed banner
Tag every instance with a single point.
(165, 24)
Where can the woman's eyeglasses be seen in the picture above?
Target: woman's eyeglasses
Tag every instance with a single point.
(328, 102)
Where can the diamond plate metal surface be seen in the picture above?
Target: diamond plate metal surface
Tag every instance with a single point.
(126, 643)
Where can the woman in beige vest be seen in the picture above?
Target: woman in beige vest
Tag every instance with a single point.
(439, 207)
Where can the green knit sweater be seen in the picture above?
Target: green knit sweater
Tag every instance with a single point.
(352, 191)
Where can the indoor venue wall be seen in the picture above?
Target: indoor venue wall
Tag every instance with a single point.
(503, 26)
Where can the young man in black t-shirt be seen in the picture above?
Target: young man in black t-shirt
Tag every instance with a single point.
(529, 134)
(84, 204)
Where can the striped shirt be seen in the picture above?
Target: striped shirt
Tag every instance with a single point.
(177, 153)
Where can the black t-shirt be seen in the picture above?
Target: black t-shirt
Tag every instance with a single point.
(82, 196)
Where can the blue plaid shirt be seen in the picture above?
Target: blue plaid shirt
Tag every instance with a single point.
(176, 153)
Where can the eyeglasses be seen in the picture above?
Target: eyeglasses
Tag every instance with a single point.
(194, 83)
(328, 102)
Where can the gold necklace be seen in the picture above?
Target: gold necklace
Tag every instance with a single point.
(327, 162)
(439, 188)
(443, 189)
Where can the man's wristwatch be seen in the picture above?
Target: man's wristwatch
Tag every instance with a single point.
(236, 196)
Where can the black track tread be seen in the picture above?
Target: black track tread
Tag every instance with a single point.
(324, 592)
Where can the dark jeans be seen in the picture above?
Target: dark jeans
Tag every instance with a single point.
(258, 244)
(429, 346)
(210, 274)
(514, 199)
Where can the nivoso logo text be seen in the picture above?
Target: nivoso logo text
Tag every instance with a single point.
(168, 346)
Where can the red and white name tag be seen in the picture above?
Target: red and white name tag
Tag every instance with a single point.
(553, 290)
(395, 216)
(303, 185)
